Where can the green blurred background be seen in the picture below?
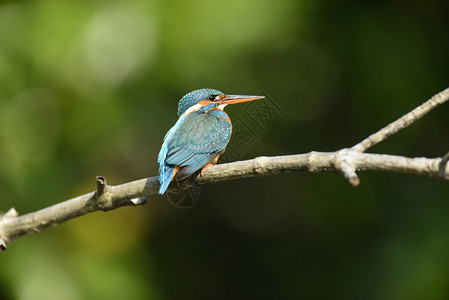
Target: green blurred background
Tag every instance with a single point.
(90, 88)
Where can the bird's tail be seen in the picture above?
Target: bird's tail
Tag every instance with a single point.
(166, 174)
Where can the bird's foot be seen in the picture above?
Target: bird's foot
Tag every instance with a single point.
(204, 168)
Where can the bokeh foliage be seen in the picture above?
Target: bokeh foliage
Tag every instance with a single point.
(91, 87)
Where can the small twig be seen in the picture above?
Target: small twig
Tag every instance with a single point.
(444, 159)
(11, 213)
(443, 164)
(101, 185)
(403, 121)
(344, 164)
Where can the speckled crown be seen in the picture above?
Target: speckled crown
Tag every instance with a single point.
(194, 97)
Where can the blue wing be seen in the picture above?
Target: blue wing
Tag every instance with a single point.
(193, 142)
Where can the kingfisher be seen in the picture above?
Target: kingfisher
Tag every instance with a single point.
(199, 136)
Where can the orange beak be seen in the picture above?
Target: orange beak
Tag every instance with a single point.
(233, 99)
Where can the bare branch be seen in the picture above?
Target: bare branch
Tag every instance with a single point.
(403, 121)
(315, 162)
(345, 161)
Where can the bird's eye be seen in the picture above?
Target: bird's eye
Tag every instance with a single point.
(212, 97)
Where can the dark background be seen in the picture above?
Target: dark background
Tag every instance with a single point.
(91, 87)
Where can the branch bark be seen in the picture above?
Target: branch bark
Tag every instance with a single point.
(403, 122)
(346, 161)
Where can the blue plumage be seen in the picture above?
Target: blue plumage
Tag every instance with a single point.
(201, 134)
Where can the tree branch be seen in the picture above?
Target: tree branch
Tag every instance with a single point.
(403, 122)
(346, 162)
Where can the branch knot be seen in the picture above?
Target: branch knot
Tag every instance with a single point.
(103, 195)
(260, 165)
(10, 214)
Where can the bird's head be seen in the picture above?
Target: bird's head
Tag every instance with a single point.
(206, 99)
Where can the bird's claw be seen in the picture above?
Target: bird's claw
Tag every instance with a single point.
(204, 168)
